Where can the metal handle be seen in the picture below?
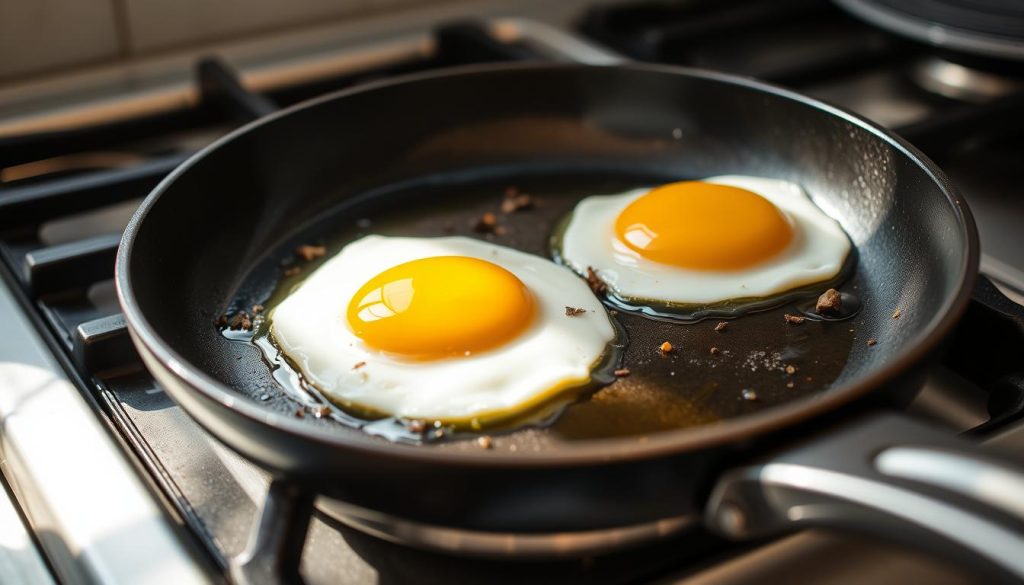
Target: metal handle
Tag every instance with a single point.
(987, 349)
(988, 295)
(890, 476)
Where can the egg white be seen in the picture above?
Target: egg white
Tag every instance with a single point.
(555, 352)
(817, 252)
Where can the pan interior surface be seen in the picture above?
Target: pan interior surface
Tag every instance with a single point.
(691, 385)
(216, 232)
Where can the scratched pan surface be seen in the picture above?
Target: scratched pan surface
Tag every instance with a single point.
(428, 155)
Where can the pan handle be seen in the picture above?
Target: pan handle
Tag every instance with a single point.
(989, 296)
(887, 475)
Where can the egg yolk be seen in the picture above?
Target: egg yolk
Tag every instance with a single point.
(441, 307)
(703, 226)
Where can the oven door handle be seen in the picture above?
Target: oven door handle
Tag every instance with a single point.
(890, 476)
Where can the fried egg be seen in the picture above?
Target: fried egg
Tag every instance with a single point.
(704, 243)
(446, 329)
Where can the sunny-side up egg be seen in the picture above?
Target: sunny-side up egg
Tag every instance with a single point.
(704, 243)
(441, 329)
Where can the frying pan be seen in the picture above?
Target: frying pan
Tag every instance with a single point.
(835, 458)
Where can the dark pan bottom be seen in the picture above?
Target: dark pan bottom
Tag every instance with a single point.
(501, 545)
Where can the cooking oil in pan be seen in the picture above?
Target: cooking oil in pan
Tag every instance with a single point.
(315, 403)
(713, 372)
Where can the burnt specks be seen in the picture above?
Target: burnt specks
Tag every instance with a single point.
(721, 325)
(793, 319)
(574, 311)
(790, 369)
(321, 411)
(358, 365)
(872, 342)
(515, 201)
(485, 442)
(714, 350)
(896, 314)
(830, 302)
(665, 348)
(595, 283)
(241, 321)
(309, 253)
(621, 372)
(488, 224)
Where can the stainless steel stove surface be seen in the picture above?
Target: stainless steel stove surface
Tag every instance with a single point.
(70, 176)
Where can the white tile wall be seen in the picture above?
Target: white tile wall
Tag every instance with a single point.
(39, 37)
(48, 40)
(43, 35)
(155, 25)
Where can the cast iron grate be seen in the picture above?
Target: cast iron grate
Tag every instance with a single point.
(790, 42)
(797, 43)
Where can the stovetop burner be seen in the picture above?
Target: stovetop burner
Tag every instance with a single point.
(60, 223)
(993, 28)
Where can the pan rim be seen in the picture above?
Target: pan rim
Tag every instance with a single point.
(593, 451)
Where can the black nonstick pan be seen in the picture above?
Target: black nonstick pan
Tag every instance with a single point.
(217, 234)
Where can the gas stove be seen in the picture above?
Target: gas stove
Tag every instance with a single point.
(114, 483)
